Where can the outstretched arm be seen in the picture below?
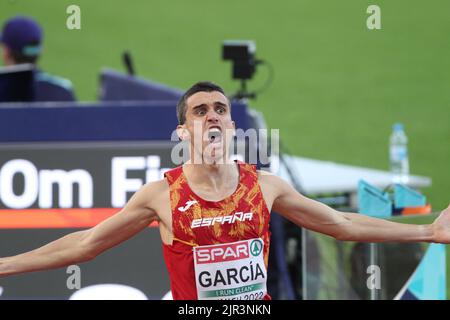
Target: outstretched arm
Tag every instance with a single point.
(85, 245)
(346, 226)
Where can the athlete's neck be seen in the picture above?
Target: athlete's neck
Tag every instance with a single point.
(212, 176)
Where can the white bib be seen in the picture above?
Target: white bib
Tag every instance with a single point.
(231, 271)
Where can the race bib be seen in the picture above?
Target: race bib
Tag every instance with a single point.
(231, 271)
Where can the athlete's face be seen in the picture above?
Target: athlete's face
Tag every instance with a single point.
(208, 126)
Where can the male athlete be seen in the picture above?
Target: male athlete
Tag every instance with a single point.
(214, 215)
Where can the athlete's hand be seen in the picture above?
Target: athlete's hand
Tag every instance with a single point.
(441, 227)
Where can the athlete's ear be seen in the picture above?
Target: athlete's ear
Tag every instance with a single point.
(234, 128)
(182, 132)
(7, 56)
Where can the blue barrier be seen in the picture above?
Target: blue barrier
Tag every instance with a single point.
(113, 121)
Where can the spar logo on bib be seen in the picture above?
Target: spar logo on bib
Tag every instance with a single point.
(221, 253)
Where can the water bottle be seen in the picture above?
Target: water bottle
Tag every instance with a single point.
(398, 154)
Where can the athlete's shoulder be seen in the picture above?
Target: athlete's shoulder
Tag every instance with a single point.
(266, 175)
(156, 187)
(173, 174)
(153, 195)
(270, 181)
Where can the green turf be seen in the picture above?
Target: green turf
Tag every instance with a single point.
(338, 86)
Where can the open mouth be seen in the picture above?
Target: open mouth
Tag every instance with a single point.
(214, 135)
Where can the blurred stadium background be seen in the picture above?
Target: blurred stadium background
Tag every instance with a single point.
(338, 87)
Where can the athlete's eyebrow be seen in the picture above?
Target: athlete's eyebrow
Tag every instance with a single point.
(203, 105)
(219, 103)
(216, 103)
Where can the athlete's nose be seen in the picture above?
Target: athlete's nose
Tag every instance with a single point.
(211, 117)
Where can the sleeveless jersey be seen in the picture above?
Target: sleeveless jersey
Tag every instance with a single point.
(220, 249)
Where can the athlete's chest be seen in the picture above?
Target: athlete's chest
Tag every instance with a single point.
(212, 195)
(238, 217)
(205, 208)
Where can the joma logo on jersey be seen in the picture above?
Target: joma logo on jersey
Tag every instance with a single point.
(220, 253)
(187, 206)
(206, 222)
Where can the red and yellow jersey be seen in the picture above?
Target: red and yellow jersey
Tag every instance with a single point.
(220, 249)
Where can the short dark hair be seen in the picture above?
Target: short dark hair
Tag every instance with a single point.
(19, 58)
(202, 86)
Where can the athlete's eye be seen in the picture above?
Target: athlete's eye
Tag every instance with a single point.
(220, 110)
(200, 112)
